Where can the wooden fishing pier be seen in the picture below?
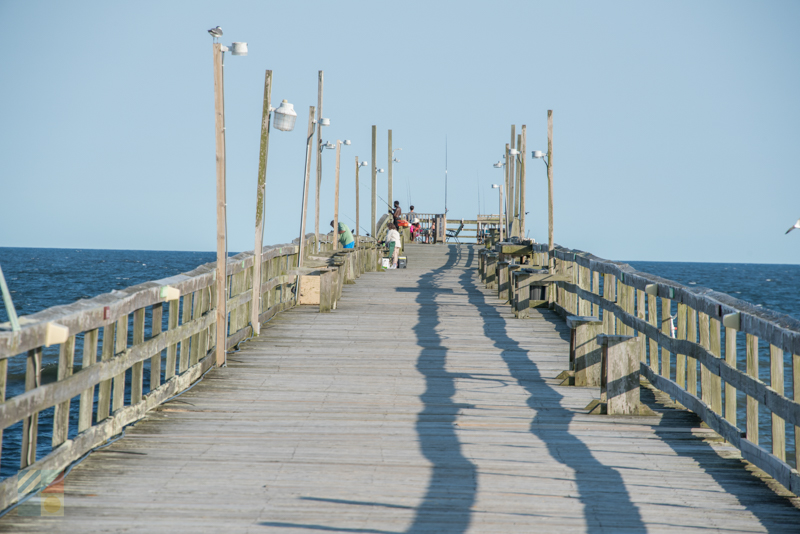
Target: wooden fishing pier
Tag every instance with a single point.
(437, 398)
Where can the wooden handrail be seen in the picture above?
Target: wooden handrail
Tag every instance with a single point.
(190, 329)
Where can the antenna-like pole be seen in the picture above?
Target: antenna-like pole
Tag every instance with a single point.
(445, 175)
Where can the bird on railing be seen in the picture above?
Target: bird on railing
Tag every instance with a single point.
(796, 225)
(215, 32)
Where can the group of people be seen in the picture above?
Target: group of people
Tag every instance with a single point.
(393, 240)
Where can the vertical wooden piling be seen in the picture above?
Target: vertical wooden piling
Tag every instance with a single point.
(263, 154)
(751, 344)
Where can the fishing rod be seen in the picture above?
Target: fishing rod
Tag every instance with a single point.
(377, 195)
(365, 230)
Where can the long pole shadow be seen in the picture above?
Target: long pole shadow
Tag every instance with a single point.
(607, 506)
(446, 507)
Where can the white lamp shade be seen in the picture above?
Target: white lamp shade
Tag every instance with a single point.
(380, 170)
(498, 165)
(363, 164)
(513, 152)
(239, 49)
(285, 117)
(324, 122)
(346, 142)
(537, 154)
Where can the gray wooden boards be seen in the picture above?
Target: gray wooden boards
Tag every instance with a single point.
(420, 404)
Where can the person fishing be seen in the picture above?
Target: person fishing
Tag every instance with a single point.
(345, 235)
(396, 213)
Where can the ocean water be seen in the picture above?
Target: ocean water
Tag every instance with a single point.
(41, 278)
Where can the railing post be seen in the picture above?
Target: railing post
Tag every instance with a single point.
(502, 280)
(620, 374)
(584, 349)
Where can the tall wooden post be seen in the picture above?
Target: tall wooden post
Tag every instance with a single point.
(219, 123)
(522, 182)
(506, 205)
(550, 187)
(518, 169)
(511, 177)
(319, 158)
(306, 173)
(374, 175)
(390, 198)
(260, 190)
(357, 208)
(336, 199)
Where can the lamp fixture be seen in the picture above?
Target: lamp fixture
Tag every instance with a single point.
(285, 117)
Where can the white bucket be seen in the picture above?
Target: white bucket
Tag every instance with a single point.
(385, 262)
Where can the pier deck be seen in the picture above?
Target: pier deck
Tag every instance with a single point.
(419, 405)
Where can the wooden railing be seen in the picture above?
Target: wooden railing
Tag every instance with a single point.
(131, 363)
(709, 325)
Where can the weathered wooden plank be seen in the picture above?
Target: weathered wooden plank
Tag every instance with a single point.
(680, 359)
(715, 348)
(666, 321)
(30, 426)
(172, 349)
(137, 369)
(66, 358)
(71, 450)
(39, 398)
(776, 383)
(796, 396)
(691, 361)
(87, 396)
(730, 391)
(104, 389)
(652, 309)
(156, 328)
(751, 345)
(186, 317)
(121, 344)
(749, 384)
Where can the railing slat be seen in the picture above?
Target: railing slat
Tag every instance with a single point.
(30, 425)
(137, 371)
(66, 359)
(104, 390)
(118, 393)
(752, 404)
(691, 361)
(730, 391)
(155, 330)
(652, 312)
(87, 397)
(188, 303)
(172, 349)
(776, 383)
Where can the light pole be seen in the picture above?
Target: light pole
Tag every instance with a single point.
(513, 156)
(321, 122)
(500, 165)
(309, 137)
(336, 194)
(500, 207)
(236, 49)
(549, 163)
(285, 118)
(358, 166)
(392, 161)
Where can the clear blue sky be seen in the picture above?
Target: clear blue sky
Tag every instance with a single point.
(676, 123)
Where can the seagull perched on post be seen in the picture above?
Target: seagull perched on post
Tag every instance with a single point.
(796, 225)
(216, 33)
